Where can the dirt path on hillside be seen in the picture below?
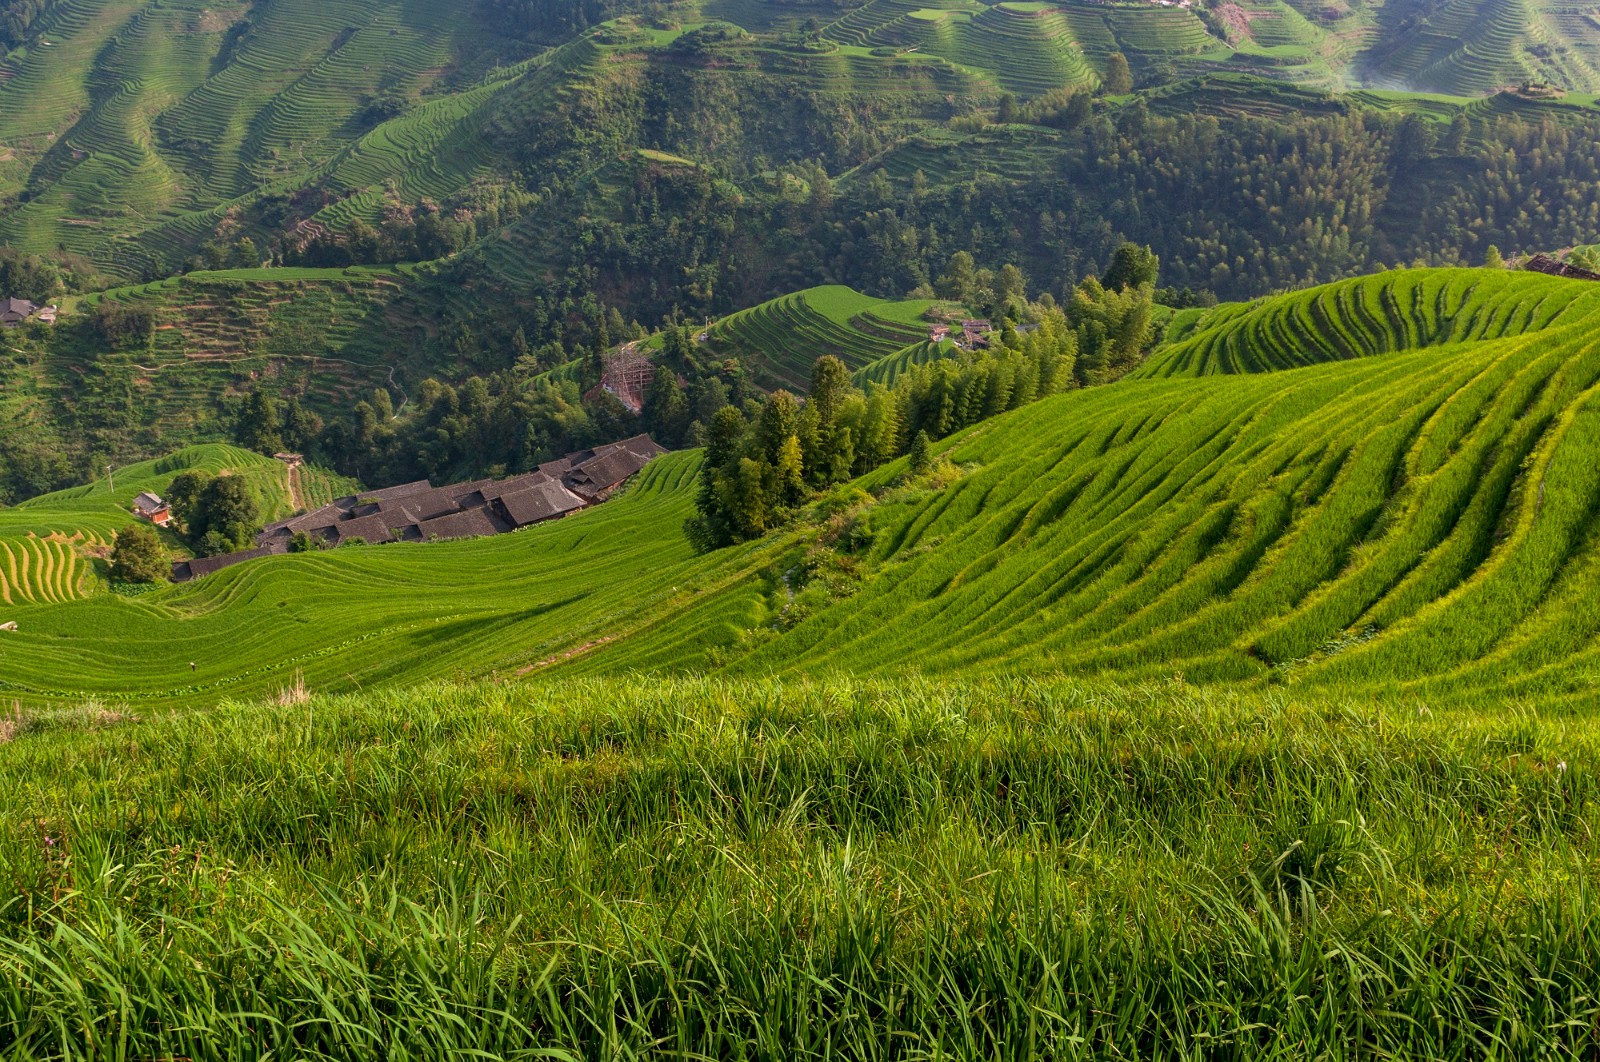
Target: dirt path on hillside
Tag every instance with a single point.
(297, 497)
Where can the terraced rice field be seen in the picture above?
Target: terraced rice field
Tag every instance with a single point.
(1463, 47)
(133, 125)
(1403, 310)
(36, 570)
(886, 370)
(1416, 524)
(1027, 48)
(1419, 522)
(345, 331)
(782, 339)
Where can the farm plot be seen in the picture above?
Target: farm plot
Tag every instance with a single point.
(1389, 312)
(782, 339)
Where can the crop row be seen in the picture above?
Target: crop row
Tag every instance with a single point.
(784, 338)
(37, 570)
(1372, 315)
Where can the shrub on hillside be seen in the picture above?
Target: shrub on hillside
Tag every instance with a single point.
(137, 556)
(122, 326)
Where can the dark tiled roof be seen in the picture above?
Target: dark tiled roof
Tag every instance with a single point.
(372, 529)
(423, 506)
(544, 501)
(419, 511)
(468, 524)
(607, 470)
(516, 483)
(401, 491)
(201, 566)
(316, 518)
(17, 308)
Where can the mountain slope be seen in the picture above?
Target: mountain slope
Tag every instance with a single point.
(1420, 521)
(1402, 310)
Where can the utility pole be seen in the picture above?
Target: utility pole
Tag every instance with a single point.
(111, 479)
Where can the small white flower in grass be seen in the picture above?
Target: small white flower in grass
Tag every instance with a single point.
(1562, 767)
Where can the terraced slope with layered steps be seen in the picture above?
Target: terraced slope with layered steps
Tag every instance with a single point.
(1416, 523)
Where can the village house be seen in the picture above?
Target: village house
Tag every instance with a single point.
(421, 512)
(152, 508)
(15, 311)
(975, 334)
(1555, 267)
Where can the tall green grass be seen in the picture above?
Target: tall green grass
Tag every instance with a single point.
(697, 868)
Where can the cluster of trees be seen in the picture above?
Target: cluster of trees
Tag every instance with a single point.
(27, 276)
(138, 556)
(420, 235)
(123, 326)
(760, 464)
(33, 454)
(17, 18)
(215, 514)
(484, 425)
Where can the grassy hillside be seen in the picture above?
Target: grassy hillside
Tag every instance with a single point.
(797, 870)
(1414, 522)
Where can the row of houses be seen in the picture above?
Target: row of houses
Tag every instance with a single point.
(421, 512)
(1550, 265)
(14, 312)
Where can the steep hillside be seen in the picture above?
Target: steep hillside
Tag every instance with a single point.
(1402, 310)
(1417, 521)
(120, 116)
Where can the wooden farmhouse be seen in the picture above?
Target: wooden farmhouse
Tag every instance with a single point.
(152, 508)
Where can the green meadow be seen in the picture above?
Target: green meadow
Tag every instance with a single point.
(764, 869)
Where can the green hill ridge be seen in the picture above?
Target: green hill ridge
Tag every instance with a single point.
(1416, 521)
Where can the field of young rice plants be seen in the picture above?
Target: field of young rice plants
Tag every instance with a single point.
(697, 868)
(1415, 525)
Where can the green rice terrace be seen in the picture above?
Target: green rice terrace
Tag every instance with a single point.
(781, 339)
(1245, 704)
(133, 131)
(1380, 485)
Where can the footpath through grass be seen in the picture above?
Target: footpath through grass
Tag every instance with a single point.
(699, 868)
